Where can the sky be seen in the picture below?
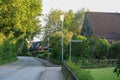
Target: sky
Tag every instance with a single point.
(75, 5)
(92, 5)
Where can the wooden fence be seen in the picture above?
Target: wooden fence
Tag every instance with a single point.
(96, 63)
(69, 75)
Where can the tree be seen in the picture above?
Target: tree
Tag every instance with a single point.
(77, 22)
(69, 16)
(114, 50)
(53, 23)
(55, 41)
(71, 24)
(18, 22)
(115, 53)
(101, 49)
(81, 49)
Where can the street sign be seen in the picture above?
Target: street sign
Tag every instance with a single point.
(71, 44)
(76, 40)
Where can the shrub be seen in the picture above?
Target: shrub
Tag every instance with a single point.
(55, 41)
(104, 63)
(114, 50)
(80, 49)
(42, 54)
(80, 73)
(8, 52)
(101, 49)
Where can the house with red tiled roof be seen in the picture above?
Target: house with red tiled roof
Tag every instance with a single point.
(102, 25)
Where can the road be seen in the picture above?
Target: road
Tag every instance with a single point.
(25, 68)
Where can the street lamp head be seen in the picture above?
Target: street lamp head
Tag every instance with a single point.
(62, 18)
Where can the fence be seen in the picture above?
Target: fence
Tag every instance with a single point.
(96, 63)
(69, 75)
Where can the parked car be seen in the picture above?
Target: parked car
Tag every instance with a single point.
(35, 46)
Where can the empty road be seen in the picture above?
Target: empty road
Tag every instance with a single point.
(25, 68)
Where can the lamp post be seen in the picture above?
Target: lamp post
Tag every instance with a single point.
(62, 19)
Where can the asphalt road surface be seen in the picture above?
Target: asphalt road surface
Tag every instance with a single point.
(25, 68)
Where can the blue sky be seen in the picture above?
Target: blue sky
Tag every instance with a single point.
(92, 5)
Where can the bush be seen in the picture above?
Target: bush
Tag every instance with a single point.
(80, 73)
(104, 63)
(55, 41)
(101, 49)
(80, 49)
(114, 50)
(8, 52)
(118, 62)
(42, 54)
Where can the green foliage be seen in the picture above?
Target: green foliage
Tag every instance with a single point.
(80, 73)
(69, 16)
(23, 49)
(114, 50)
(101, 48)
(118, 62)
(92, 42)
(72, 21)
(77, 21)
(115, 53)
(53, 23)
(81, 49)
(55, 41)
(104, 63)
(18, 22)
(7, 52)
(43, 55)
(71, 24)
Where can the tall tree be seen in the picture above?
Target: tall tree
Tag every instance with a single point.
(53, 23)
(78, 21)
(18, 22)
(69, 16)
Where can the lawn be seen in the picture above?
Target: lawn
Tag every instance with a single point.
(104, 74)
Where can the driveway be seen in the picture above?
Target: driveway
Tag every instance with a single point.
(25, 68)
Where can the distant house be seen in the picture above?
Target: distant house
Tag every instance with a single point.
(102, 25)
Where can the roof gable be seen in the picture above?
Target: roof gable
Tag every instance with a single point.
(105, 24)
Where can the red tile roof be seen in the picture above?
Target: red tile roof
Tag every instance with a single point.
(105, 25)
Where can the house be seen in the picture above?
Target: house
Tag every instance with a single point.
(102, 25)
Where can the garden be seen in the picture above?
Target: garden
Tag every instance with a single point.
(100, 65)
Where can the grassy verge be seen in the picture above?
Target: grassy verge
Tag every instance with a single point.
(80, 73)
(7, 61)
(104, 74)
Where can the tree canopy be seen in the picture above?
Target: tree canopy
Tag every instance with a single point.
(18, 22)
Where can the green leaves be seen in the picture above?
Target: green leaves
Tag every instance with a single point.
(81, 49)
(80, 73)
(18, 22)
(101, 48)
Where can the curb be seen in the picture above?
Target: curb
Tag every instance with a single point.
(47, 63)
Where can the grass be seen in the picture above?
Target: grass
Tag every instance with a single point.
(7, 61)
(104, 74)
